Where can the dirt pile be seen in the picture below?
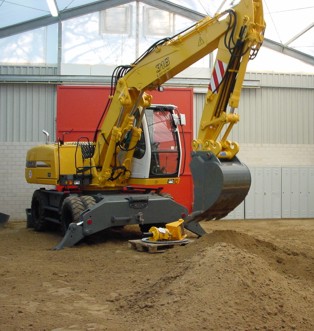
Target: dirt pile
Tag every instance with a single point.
(231, 281)
(236, 277)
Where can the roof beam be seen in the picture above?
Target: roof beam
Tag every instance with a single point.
(301, 32)
(199, 83)
(63, 15)
(278, 47)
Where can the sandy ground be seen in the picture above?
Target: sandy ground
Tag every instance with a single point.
(242, 275)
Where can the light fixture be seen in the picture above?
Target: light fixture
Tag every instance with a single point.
(53, 7)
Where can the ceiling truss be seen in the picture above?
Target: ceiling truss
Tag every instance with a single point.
(161, 4)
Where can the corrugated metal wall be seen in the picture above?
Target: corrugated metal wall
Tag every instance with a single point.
(39, 70)
(279, 111)
(26, 109)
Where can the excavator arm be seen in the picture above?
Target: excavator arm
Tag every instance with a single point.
(236, 34)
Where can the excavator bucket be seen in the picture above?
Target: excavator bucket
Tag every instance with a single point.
(219, 187)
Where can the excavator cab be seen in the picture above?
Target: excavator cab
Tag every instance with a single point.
(158, 152)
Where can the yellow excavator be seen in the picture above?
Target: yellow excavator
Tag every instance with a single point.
(109, 182)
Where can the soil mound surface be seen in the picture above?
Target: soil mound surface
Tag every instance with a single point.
(232, 281)
(252, 275)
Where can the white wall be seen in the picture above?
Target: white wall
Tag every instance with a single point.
(16, 193)
(278, 192)
(256, 155)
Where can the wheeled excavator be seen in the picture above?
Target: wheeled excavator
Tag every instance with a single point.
(111, 181)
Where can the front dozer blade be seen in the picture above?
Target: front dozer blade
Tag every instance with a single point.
(219, 186)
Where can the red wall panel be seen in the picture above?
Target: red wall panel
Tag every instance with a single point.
(79, 109)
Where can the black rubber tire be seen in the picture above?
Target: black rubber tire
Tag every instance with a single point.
(39, 201)
(71, 209)
(88, 201)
